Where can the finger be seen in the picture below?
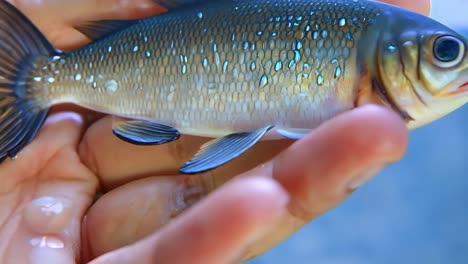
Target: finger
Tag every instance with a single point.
(216, 230)
(48, 190)
(317, 171)
(420, 6)
(100, 150)
(323, 169)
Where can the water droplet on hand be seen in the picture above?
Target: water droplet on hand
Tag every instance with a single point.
(47, 242)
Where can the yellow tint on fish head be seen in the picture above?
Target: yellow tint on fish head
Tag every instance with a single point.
(425, 73)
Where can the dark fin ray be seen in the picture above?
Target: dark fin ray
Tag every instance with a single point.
(140, 132)
(21, 115)
(99, 29)
(176, 4)
(222, 150)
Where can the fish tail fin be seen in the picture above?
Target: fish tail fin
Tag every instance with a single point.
(22, 112)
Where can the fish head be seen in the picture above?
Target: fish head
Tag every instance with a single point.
(423, 71)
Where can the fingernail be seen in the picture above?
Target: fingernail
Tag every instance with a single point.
(361, 178)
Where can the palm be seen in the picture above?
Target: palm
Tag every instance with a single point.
(64, 164)
(49, 169)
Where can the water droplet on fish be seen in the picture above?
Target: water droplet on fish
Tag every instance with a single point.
(245, 45)
(259, 33)
(184, 69)
(315, 35)
(148, 53)
(278, 65)
(77, 77)
(392, 48)
(215, 47)
(94, 85)
(291, 64)
(337, 72)
(349, 36)
(200, 15)
(297, 56)
(235, 72)
(320, 80)
(299, 18)
(90, 65)
(324, 33)
(90, 79)
(307, 28)
(298, 44)
(342, 22)
(264, 81)
(211, 85)
(205, 62)
(225, 66)
(109, 49)
(47, 242)
(274, 34)
(217, 59)
(253, 65)
(135, 48)
(333, 61)
(51, 79)
(37, 79)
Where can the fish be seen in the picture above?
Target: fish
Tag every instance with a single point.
(237, 71)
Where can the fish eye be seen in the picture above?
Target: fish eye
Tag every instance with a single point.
(448, 51)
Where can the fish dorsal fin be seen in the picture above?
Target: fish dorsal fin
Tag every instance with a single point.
(222, 150)
(101, 28)
(176, 4)
(140, 132)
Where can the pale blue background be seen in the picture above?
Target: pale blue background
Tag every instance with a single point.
(414, 212)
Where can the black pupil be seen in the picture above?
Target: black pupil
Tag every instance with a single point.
(446, 49)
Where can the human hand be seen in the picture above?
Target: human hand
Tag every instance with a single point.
(216, 223)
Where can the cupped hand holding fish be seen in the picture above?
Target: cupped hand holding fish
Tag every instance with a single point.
(147, 214)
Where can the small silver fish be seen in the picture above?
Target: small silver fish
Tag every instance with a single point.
(235, 70)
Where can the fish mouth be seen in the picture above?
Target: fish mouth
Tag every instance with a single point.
(459, 88)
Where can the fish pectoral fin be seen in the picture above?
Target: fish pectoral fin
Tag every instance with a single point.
(222, 150)
(99, 29)
(141, 132)
(293, 133)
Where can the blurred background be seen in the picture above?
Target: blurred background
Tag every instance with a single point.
(415, 211)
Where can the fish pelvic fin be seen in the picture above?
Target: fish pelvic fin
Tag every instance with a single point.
(21, 114)
(222, 150)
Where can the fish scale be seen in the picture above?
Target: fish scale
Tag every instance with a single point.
(195, 69)
(236, 70)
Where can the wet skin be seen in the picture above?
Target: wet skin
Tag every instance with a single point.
(67, 199)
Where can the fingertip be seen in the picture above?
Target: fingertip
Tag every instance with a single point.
(319, 170)
(377, 125)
